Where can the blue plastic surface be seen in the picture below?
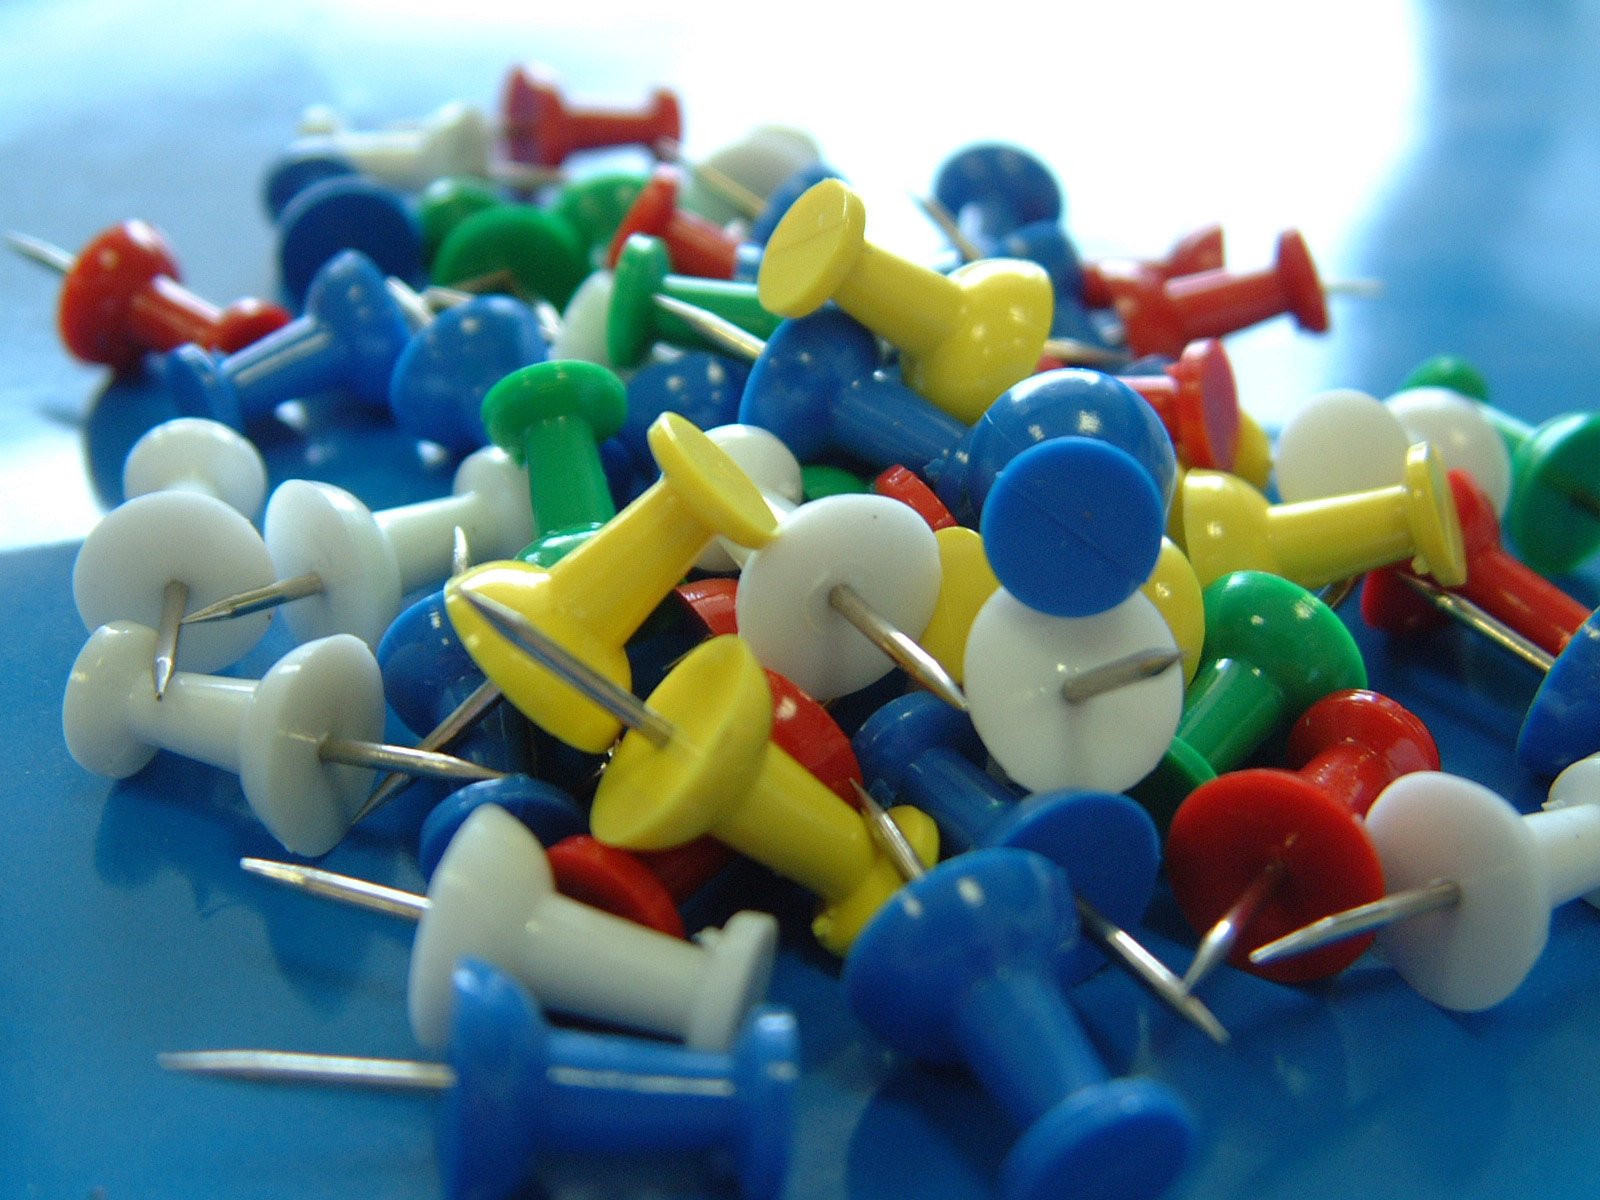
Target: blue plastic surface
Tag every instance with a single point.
(1457, 170)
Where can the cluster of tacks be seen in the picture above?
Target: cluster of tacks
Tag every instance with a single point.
(1050, 632)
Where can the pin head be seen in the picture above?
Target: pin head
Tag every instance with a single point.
(1448, 371)
(594, 206)
(347, 213)
(1390, 604)
(553, 391)
(1208, 404)
(1380, 728)
(710, 483)
(651, 212)
(446, 202)
(539, 249)
(1297, 274)
(1552, 517)
(96, 293)
(813, 250)
(549, 813)
(1002, 186)
(705, 388)
(616, 882)
(640, 268)
(1431, 513)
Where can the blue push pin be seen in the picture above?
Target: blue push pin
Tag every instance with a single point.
(349, 337)
(1048, 405)
(782, 200)
(929, 756)
(818, 386)
(995, 189)
(347, 212)
(440, 378)
(294, 173)
(549, 813)
(962, 966)
(1072, 526)
(701, 386)
(517, 1089)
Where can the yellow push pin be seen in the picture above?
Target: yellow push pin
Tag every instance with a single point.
(1174, 589)
(597, 597)
(966, 582)
(721, 775)
(963, 338)
(1229, 526)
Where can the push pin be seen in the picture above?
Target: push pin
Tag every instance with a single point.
(699, 760)
(349, 337)
(542, 253)
(1553, 515)
(454, 139)
(899, 483)
(357, 564)
(640, 314)
(1462, 435)
(492, 897)
(740, 179)
(598, 596)
(1472, 883)
(1162, 316)
(961, 967)
(1197, 251)
(1198, 402)
(696, 246)
(190, 483)
(964, 338)
(836, 600)
(540, 128)
(1254, 854)
(776, 473)
(1073, 702)
(1272, 650)
(122, 297)
(1341, 441)
(1229, 526)
(995, 189)
(516, 1088)
(303, 741)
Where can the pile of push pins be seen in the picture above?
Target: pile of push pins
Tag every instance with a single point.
(964, 596)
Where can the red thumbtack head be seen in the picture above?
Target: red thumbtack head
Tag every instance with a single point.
(122, 298)
(1304, 825)
(1193, 253)
(541, 130)
(903, 485)
(712, 602)
(1198, 402)
(695, 245)
(645, 888)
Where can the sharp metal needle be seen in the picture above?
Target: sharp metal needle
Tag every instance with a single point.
(948, 225)
(285, 1066)
(899, 646)
(460, 553)
(1367, 289)
(384, 757)
(1073, 352)
(242, 604)
(1470, 614)
(346, 889)
(746, 202)
(1119, 672)
(465, 715)
(174, 599)
(571, 670)
(1150, 971)
(890, 838)
(719, 331)
(1364, 918)
(1220, 939)
(1335, 594)
(46, 254)
(418, 313)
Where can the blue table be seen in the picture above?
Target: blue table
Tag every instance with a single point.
(1446, 149)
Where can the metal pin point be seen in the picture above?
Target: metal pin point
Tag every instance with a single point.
(286, 1066)
(719, 331)
(46, 254)
(1366, 289)
(1075, 353)
(1335, 594)
(383, 756)
(890, 838)
(460, 552)
(744, 201)
(1119, 672)
(465, 715)
(416, 309)
(948, 225)
(346, 889)
(174, 599)
(1364, 918)
(901, 648)
(242, 604)
(1150, 971)
(1468, 613)
(1220, 939)
(571, 670)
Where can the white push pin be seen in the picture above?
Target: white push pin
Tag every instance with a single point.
(835, 601)
(774, 470)
(355, 565)
(492, 897)
(756, 166)
(270, 733)
(455, 139)
(1464, 439)
(1338, 442)
(582, 334)
(1472, 883)
(182, 538)
(1073, 702)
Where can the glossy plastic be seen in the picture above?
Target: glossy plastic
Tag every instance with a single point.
(541, 128)
(642, 271)
(541, 250)
(703, 388)
(995, 188)
(695, 245)
(1198, 402)
(190, 454)
(347, 212)
(1338, 442)
(1460, 433)
(1551, 517)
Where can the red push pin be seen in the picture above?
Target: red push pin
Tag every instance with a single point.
(1163, 316)
(541, 130)
(1198, 401)
(1503, 586)
(1193, 253)
(695, 245)
(122, 298)
(904, 485)
(1253, 855)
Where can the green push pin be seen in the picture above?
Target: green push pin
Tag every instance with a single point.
(1272, 650)
(1553, 516)
(636, 321)
(819, 480)
(551, 418)
(447, 202)
(542, 252)
(594, 207)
